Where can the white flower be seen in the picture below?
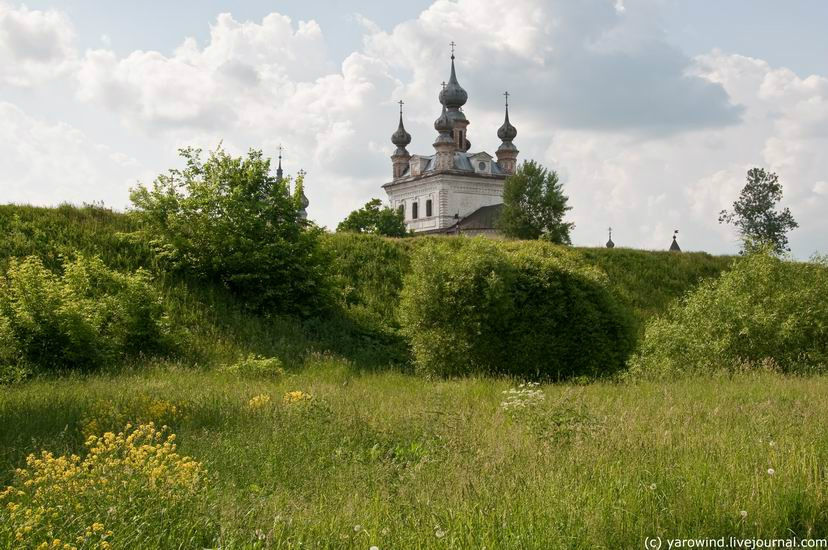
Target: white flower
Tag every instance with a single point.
(439, 533)
(374, 548)
(357, 528)
(653, 487)
(772, 443)
(743, 513)
(771, 471)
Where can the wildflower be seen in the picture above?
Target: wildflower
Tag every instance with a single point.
(771, 443)
(258, 401)
(357, 528)
(374, 548)
(296, 396)
(771, 471)
(652, 486)
(439, 533)
(743, 513)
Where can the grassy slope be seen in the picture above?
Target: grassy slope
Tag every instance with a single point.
(606, 466)
(388, 451)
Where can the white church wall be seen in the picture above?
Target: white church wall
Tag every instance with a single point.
(451, 194)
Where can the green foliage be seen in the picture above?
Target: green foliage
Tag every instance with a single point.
(534, 205)
(375, 219)
(511, 309)
(754, 214)
(765, 312)
(256, 366)
(53, 234)
(368, 271)
(647, 282)
(227, 220)
(87, 317)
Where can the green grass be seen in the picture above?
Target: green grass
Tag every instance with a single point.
(596, 466)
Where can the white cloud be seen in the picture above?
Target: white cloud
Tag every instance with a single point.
(47, 164)
(34, 45)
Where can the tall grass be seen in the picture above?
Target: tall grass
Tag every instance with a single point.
(390, 460)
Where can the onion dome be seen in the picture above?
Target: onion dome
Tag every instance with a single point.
(610, 244)
(401, 138)
(443, 124)
(507, 132)
(453, 95)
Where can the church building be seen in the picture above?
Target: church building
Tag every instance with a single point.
(453, 190)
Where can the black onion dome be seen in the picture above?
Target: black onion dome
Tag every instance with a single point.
(401, 138)
(507, 132)
(443, 124)
(453, 96)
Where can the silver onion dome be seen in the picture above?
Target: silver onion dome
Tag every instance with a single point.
(401, 138)
(453, 95)
(507, 132)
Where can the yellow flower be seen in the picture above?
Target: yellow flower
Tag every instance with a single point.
(258, 401)
(296, 397)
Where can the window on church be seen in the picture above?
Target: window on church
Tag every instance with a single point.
(414, 208)
(428, 208)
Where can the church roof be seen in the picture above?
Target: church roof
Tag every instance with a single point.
(484, 217)
(462, 163)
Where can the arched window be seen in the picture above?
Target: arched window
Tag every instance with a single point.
(414, 213)
(428, 208)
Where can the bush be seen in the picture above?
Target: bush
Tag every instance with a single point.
(132, 489)
(765, 311)
(82, 319)
(256, 366)
(515, 308)
(227, 220)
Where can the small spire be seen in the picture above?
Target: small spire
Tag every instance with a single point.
(453, 45)
(299, 194)
(674, 247)
(279, 172)
(610, 244)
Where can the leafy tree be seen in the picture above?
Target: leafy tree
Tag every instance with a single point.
(229, 221)
(376, 219)
(534, 205)
(760, 225)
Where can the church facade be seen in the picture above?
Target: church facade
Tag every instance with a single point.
(452, 190)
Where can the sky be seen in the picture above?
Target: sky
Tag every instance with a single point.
(651, 111)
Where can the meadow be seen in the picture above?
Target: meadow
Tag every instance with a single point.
(316, 432)
(394, 461)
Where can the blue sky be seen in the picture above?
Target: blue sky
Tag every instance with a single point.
(651, 110)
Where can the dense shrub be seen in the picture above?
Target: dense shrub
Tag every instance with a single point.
(515, 309)
(765, 311)
(227, 220)
(83, 318)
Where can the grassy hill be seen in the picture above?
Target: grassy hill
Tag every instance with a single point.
(369, 271)
(346, 449)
